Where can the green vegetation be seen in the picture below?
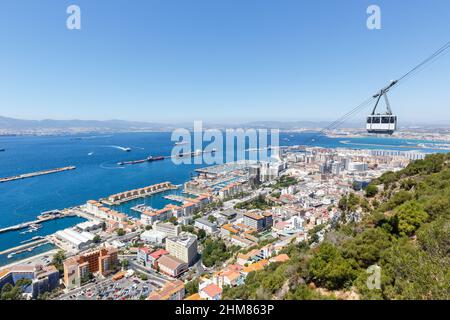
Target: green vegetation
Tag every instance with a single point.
(259, 203)
(192, 287)
(120, 232)
(124, 263)
(10, 292)
(97, 239)
(405, 230)
(215, 252)
(371, 191)
(284, 182)
(58, 259)
(143, 276)
(173, 220)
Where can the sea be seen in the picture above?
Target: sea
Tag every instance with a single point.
(98, 174)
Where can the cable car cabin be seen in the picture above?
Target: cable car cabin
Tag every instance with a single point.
(381, 124)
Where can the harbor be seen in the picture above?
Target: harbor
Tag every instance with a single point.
(119, 198)
(24, 247)
(35, 174)
(35, 224)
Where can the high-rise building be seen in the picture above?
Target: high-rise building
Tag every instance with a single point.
(168, 228)
(183, 247)
(78, 268)
(258, 221)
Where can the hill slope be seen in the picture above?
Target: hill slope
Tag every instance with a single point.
(405, 231)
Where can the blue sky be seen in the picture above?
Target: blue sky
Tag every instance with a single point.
(219, 60)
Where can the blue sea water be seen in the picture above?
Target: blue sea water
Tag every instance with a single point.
(97, 174)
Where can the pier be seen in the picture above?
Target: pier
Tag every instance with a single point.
(35, 174)
(37, 221)
(25, 247)
(126, 196)
(178, 198)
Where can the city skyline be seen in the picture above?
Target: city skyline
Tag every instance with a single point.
(313, 61)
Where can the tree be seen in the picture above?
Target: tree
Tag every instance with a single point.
(215, 252)
(211, 218)
(120, 232)
(201, 234)
(408, 218)
(330, 269)
(58, 259)
(371, 191)
(192, 287)
(97, 239)
(173, 220)
(124, 263)
(367, 247)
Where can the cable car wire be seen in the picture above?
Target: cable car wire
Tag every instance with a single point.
(428, 61)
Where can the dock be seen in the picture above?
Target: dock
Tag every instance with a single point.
(35, 174)
(29, 223)
(25, 247)
(119, 198)
(177, 198)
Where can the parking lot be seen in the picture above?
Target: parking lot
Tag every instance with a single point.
(132, 288)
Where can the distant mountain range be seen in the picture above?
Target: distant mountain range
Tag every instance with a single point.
(11, 125)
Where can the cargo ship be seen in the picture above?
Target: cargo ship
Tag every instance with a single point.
(148, 159)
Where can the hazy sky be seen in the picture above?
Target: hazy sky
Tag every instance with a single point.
(219, 60)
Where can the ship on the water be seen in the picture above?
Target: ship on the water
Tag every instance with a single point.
(148, 159)
(32, 228)
(2, 150)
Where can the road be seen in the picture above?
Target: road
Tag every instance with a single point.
(152, 275)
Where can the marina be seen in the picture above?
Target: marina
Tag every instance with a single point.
(37, 173)
(35, 224)
(24, 247)
(127, 196)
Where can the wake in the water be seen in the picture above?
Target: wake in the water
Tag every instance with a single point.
(104, 165)
(119, 148)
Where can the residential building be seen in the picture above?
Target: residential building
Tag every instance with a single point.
(183, 247)
(211, 292)
(204, 224)
(168, 228)
(257, 220)
(78, 268)
(43, 278)
(173, 290)
(153, 236)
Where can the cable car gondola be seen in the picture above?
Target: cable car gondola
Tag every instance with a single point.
(385, 123)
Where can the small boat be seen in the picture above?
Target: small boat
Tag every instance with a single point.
(1, 150)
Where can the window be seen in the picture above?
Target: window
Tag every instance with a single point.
(369, 119)
(376, 119)
(393, 119)
(385, 119)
